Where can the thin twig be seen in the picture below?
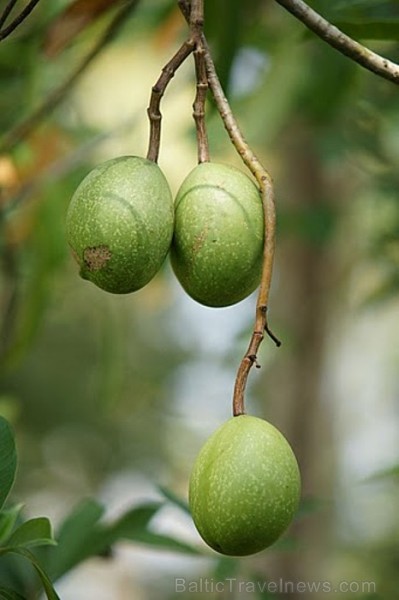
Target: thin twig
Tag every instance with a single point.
(194, 13)
(7, 11)
(267, 194)
(340, 41)
(157, 92)
(199, 103)
(25, 12)
(24, 128)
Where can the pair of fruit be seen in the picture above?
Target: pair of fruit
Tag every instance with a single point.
(122, 222)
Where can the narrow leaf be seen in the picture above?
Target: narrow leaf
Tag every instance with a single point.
(163, 542)
(133, 526)
(8, 518)
(47, 585)
(75, 538)
(172, 497)
(7, 594)
(35, 532)
(391, 473)
(8, 460)
(134, 521)
(44, 578)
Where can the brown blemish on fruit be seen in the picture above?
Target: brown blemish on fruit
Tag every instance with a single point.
(199, 240)
(96, 258)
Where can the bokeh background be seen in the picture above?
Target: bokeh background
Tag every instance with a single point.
(112, 397)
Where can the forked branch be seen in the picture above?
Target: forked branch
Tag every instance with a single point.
(194, 14)
(158, 90)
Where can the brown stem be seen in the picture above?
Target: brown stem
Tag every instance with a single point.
(24, 128)
(6, 12)
(199, 103)
(194, 14)
(25, 12)
(158, 90)
(340, 41)
(195, 10)
(267, 193)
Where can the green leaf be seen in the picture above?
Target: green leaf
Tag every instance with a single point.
(134, 521)
(75, 542)
(133, 526)
(81, 536)
(8, 594)
(381, 29)
(44, 578)
(8, 518)
(47, 585)
(8, 460)
(35, 532)
(172, 497)
(163, 542)
(389, 473)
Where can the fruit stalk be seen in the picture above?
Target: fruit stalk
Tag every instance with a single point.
(157, 92)
(196, 22)
(265, 183)
(199, 103)
(269, 210)
(194, 43)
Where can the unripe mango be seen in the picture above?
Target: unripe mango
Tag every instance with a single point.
(217, 245)
(244, 486)
(120, 223)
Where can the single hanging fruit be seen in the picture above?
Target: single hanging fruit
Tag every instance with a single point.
(120, 223)
(244, 486)
(217, 247)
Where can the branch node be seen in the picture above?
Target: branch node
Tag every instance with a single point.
(157, 92)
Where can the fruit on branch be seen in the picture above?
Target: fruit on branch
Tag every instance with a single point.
(217, 246)
(244, 486)
(120, 223)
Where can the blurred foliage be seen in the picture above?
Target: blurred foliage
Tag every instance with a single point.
(89, 380)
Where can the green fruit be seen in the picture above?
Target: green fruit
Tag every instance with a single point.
(244, 487)
(120, 223)
(217, 246)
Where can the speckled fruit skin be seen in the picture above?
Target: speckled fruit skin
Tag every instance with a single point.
(120, 223)
(217, 245)
(244, 487)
